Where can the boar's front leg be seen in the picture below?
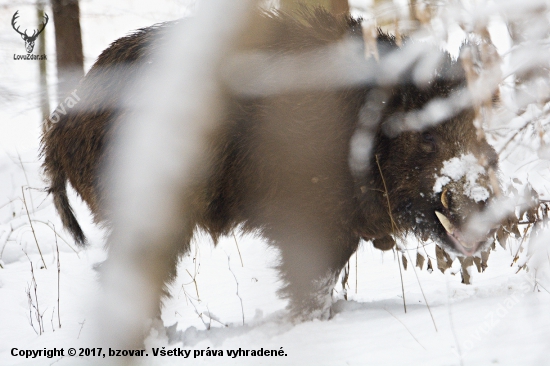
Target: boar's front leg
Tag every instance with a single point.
(311, 261)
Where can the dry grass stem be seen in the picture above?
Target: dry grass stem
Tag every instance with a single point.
(408, 330)
(237, 282)
(237, 244)
(394, 229)
(32, 228)
(58, 278)
(422, 290)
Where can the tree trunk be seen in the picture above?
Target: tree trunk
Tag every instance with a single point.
(68, 45)
(43, 78)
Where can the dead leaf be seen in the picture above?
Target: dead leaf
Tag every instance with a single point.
(419, 260)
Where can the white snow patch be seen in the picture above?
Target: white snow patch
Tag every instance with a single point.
(466, 166)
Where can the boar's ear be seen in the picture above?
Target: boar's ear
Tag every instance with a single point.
(471, 51)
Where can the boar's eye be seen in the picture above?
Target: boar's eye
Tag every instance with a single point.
(428, 143)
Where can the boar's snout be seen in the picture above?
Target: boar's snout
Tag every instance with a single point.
(460, 200)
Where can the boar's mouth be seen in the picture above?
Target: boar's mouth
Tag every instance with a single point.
(464, 245)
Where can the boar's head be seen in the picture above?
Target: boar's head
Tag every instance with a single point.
(430, 159)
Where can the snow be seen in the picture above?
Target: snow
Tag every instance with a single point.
(465, 166)
(501, 319)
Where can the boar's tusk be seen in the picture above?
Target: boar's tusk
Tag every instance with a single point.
(452, 232)
(445, 222)
(444, 199)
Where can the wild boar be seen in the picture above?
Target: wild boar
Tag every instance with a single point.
(311, 170)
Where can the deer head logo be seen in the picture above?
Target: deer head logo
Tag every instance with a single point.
(29, 40)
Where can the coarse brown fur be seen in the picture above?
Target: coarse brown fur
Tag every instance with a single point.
(281, 165)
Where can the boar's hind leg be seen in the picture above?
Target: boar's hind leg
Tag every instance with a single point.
(310, 266)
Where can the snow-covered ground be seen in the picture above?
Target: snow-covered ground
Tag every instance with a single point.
(224, 298)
